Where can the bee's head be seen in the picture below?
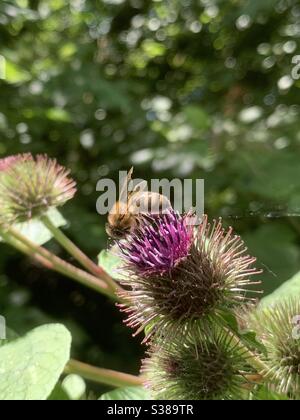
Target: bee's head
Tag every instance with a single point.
(116, 232)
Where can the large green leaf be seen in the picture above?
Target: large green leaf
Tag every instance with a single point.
(36, 231)
(128, 393)
(31, 366)
(290, 288)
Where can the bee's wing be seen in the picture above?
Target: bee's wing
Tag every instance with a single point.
(137, 190)
(159, 203)
(140, 187)
(124, 189)
(148, 202)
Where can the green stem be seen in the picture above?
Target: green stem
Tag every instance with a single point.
(103, 376)
(19, 241)
(80, 256)
(25, 250)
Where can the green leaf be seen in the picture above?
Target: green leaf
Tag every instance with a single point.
(74, 386)
(274, 174)
(274, 245)
(31, 366)
(288, 289)
(129, 393)
(58, 394)
(250, 339)
(111, 263)
(35, 229)
(230, 320)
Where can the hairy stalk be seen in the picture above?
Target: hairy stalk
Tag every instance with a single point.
(103, 376)
(16, 239)
(80, 256)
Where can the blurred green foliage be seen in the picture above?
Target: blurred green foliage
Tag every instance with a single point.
(178, 88)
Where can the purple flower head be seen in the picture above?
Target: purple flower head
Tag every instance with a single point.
(158, 245)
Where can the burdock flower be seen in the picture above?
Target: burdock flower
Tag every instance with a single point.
(198, 366)
(178, 274)
(30, 186)
(278, 327)
(9, 161)
(159, 245)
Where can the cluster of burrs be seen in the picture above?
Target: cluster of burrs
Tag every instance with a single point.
(185, 285)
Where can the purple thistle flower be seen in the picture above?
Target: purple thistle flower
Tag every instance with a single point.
(158, 246)
(179, 274)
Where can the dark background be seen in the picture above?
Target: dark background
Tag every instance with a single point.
(193, 89)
